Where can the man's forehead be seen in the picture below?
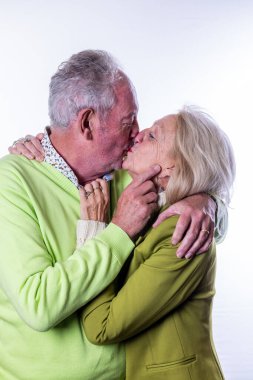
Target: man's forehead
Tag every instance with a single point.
(126, 97)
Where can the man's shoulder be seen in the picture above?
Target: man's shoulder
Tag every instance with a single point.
(13, 164)
(17, 169)
(13, 161)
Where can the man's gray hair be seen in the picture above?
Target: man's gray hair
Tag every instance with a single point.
(86, 80)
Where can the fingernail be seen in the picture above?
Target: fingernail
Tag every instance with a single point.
(179, 254)
(188, 256)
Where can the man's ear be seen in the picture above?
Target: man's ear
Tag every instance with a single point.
(85, 122)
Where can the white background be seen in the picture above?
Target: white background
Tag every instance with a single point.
(195, 51)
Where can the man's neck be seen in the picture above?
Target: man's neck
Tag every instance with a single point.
(78, 158)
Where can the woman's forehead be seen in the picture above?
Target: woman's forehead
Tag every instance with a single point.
(166, 125)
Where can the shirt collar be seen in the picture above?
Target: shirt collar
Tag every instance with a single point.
(53, 158)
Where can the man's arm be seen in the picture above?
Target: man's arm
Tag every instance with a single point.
(43, 289)
(201, 217)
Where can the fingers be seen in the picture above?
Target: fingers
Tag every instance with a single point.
(148, 174)
(39, 136)
(186, 230)
(35, 150)
(165, 215)
(36, 147)
(82, 198)
(94, 200)
(20, 149)
(206, 242)
(30, 147)
(197, 239)
(150, 198)
(103, 186)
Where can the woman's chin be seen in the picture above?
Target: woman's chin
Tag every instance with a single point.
(125, 164)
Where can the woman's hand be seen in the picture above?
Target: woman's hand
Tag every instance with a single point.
(94, 199)
(29, 147)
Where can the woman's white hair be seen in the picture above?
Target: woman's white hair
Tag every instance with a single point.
(86, 80)
(203, 155)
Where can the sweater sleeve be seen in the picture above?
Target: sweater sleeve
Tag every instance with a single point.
(87, 229)
(44, 291)
(158, 286)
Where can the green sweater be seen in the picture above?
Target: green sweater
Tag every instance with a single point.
(44, 280)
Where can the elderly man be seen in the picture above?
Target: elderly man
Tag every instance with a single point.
(44, 279)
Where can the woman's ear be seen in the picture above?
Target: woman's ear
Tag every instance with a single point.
(166, 172)
(86, 123)
(164, 176)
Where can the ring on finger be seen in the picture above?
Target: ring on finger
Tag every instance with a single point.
(21, 140)
(88, 193)
(204, 230)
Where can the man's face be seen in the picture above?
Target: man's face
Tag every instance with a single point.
(115, 135)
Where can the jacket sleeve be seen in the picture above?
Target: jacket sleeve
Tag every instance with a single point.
(42, 290)
(157, 287)
(221, 220)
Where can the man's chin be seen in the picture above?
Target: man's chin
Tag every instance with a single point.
(118, 165)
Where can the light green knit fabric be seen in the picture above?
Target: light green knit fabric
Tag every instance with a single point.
(44, 281)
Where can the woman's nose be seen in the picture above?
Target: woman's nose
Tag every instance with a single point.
(139, 137)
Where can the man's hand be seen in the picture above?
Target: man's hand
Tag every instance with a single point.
(29, 146)
(137, 203)
(195, 226)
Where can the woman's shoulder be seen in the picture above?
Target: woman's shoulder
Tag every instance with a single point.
(158, 237)
(164, 231)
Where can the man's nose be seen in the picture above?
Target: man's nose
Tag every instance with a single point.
(134, 131)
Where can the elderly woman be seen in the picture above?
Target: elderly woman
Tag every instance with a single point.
(160, 306)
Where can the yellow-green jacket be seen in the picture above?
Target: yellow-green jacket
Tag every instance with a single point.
(162, 312)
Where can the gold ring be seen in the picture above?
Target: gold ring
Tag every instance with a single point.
(205, 231)
(88, 193)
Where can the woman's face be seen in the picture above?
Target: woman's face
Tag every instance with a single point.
(153, 146)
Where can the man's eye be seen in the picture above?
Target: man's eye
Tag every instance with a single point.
(127, 125)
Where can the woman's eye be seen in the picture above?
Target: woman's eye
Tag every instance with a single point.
(151, 136)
